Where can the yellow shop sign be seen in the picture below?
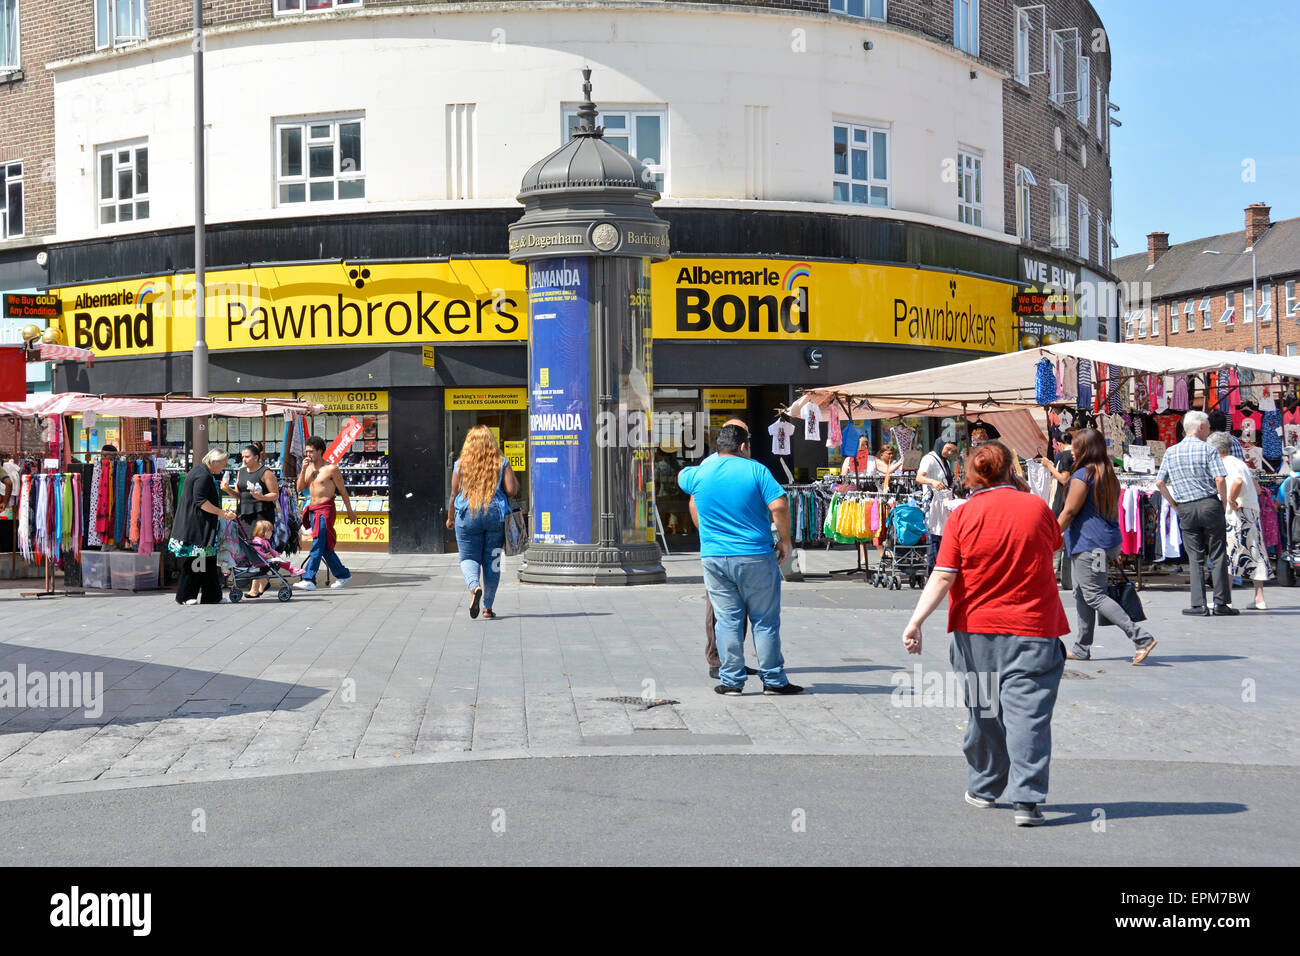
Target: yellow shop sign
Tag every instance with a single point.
(505, 398)
(335, 304)
(829, 301)
(355, 402)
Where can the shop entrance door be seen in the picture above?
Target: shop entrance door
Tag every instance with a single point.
(511, 430)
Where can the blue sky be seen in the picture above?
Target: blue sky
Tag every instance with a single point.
(1202, 86)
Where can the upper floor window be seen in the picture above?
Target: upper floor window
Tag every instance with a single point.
(1101, 113)
(1155, 320)
(1205, 313)
(639, 132)
(10, 59)
(1083, 70)
(1024, 179)
(1060, 223)
(966, 26)
(120, 21)
(861, 165)
(1085, 228)
(1189, 316)
(312, 6)
(1266, 303)
(1142, 323)
(1173, 318)
(1290, 298)
(1023, 31)
(123, 182)
(1248, 307)
(319, 160)
(1056, 70)
(11, 200)
(970, 188)
(871, 9)
(1229, 308)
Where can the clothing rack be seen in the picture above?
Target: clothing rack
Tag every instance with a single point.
(892, 496)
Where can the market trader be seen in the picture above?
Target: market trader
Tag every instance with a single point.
(737, 499)
(1193, 480)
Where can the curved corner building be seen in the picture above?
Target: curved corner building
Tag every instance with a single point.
(854, 187)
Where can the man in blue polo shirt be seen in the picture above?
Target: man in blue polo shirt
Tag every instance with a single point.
(736, 500)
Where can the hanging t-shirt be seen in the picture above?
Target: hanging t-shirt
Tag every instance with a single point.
(849, 436)
(780, 430)
(1167, 426)
(811, 420)
(833, 436)
(1271, 435)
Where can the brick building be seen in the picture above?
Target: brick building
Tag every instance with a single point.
(1199, 294)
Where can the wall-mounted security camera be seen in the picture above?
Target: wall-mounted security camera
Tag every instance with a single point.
(42, 258)
(813, 356)
(868, 45)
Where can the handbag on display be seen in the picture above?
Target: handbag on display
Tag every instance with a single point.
(516, 527)
(1123, 593)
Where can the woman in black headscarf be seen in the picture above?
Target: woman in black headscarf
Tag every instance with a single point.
(935, 472)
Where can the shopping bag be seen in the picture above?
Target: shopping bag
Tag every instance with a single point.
(516, 527)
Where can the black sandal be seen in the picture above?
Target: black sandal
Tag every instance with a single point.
(473, 607)
(489, 614)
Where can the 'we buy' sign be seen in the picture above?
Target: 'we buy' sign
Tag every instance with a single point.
(339, 447)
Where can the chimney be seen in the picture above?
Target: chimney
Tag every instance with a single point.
(1157, 246)
(1256, 221)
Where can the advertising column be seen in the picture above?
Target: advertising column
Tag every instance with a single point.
(559, 376)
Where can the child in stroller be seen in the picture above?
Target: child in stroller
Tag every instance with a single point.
(259, 556)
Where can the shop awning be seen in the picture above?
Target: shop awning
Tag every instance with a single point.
(71, 403)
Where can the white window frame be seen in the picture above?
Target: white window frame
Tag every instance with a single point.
(866, 14)
(1173, 318)
(1023, 52)
(12, 36)
(1155, 320)
(338, 177)
(1101, 114)
(970, 179)
(1082, 80)
(1024, 217)
(1289, 292)
(1141, 319)
(1056, 70)
(106, 17)
(116, 202)
(301, 7)
(1248, 307)
(1059, 215)
(1207, 323)
(1266, 350)
(1189, 316)
(1128, 324)
(1291, 349)
(1229, 309)
(966, 26)
(8, 179)
(872, 182)
(1265, 310)
(1085, 228)
(630, 113)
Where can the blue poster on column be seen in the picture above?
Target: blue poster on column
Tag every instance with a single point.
(559, 403)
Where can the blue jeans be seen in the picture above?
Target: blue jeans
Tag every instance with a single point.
(747, 585)
(481, 539)
(320, 552)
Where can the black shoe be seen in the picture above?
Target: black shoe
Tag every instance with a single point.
(727, 690)
(713, 673)
(1224, 610)
(474, 605)
(751, 671)
(1196, 611)
(785, 689)
(1028, 815)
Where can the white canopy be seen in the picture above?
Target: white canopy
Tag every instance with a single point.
(67, 403)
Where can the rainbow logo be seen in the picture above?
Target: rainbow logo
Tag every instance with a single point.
(147, 288)
(800, 270)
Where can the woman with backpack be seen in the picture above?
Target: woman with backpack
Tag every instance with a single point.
(1090, 523)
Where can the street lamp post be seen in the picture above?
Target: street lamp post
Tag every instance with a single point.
(1254, 287)
(199, 361)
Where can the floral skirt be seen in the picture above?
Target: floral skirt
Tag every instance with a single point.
(1247, 557)
(190, 550)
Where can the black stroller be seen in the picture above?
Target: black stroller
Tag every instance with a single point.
(252, 566)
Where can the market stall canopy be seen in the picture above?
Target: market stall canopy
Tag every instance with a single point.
(1008, 380)
(63, 353)
(70, 403)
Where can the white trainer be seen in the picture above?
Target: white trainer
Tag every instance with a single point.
(192, 601)
(339, 582)
(305, 586)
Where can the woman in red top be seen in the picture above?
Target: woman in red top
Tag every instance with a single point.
(995, 567)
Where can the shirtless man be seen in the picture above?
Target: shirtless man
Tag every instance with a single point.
(325, 481)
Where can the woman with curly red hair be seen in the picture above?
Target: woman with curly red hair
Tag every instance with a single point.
(995, 566)
(481, 485)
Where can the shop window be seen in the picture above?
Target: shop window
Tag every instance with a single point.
(1060, 223)
(313, 6)
(123, 183)
(966, 26)
(868, 9)
(319, 160)
(641, 132)
(118, 22)
(11, 200)
(970, 188)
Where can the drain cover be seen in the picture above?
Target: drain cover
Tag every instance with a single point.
(641, 701)
(1077, 675)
